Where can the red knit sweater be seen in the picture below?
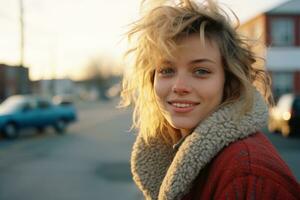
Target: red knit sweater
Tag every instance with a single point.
(247, 169)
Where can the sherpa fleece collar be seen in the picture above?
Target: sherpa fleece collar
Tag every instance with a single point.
(163, 174)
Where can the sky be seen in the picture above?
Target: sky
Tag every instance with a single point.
(63, 36)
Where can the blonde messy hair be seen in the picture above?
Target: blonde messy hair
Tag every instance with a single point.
(155, 36)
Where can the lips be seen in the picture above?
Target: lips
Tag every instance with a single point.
(182, 106)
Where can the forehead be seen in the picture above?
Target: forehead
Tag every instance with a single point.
(193, 47)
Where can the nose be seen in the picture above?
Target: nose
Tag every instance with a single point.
(181, 85)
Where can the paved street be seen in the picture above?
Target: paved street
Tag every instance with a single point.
(91, 161)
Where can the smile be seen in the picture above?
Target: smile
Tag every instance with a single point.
(182, 106)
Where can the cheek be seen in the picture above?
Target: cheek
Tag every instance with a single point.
(220, 92)
(221, 87)
(219, 83)
(160, 94)
(160, 88)
(220, 96)
(213, 91)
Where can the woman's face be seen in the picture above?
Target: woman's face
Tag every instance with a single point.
(190, 87)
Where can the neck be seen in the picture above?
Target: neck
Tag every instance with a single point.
(185, 132)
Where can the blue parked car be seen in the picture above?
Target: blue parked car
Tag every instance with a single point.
(25, 111)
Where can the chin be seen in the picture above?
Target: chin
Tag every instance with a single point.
(186, 126)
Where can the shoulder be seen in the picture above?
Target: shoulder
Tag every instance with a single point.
(253, 155)
(252, 161)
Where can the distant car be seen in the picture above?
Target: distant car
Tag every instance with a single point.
(62, 100)
(25, 111)
(114, 91)
(285, 116)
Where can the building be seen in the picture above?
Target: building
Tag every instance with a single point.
(52, 87)
(279, 29)
(13, 80)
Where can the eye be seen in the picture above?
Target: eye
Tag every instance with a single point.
(201, 72)
(166, 71)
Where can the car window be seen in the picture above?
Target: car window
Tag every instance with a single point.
(12, 104)
(26, 106)
(43, 104)
(29, 105)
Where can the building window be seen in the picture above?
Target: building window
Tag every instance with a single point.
(282, 83)
(283, 32)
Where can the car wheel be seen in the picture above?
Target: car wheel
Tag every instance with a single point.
(60, 126)
(10, 131)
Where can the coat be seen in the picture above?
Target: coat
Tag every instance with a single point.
(164, 173)
(250, 168)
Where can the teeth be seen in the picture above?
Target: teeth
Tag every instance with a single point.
(182, 105)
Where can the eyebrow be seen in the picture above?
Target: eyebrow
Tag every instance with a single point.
(201, 60)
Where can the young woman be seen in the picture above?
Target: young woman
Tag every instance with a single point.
(200, 100)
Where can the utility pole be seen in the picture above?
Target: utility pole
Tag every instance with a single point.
(22, 82)
(21, 33)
